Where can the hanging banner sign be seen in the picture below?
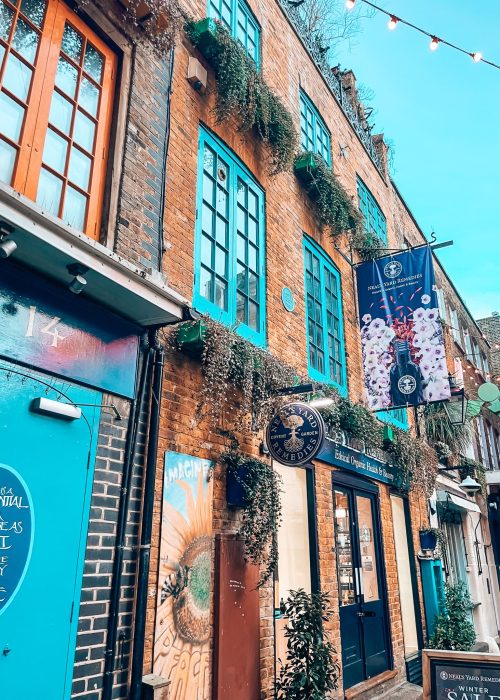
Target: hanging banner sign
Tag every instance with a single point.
(295, 434)
(460, 675)
(404, 361)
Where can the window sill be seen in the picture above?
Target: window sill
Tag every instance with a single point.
(47, 245)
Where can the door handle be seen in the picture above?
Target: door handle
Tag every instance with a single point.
(361, 614)
(6, 650)
(361, 586)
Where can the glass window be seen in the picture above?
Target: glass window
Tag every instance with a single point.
(241, 23)
(374, 220)
(325, 333)
(344, 548)
(294, 566)
(55, 92)
(230, 259)
(394, 416)
(314, 136)
(456, 331)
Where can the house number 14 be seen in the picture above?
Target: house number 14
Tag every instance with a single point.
(49, 329)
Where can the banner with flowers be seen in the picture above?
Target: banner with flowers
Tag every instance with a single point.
(404, 361)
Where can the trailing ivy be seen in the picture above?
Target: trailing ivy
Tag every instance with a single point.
(242, 93)
(367, 245)
(262, 514)
(332, 205)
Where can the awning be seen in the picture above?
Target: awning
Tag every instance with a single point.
(457, 502)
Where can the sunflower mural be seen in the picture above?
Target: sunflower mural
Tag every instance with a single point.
(182, 636)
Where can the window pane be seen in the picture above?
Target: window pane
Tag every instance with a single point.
(66, 77)
(221, 293)
(241, 308)
(61, 111)
(241, 278)
(75, 205)
(84, 131)
(25, 41)
(12, 115)
(220, 262)
(79, 168)
(206, 251)
(367, 542)
(93, 63)
(7, 161)
(253, 315)
(54, 151)
(207, 219)
(72, 43)
(34, 10)
(343, 548)
(206, 283)
(253, 286)
(89, 96)
(221, 231)
(17, 77)
(6, 15)
(49, 192)
(294, 567)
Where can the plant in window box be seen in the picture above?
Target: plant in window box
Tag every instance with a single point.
(332, 205)
(255, 487)
(311, 671)
(241, 92)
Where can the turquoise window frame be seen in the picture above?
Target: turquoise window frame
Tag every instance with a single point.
(239, 19)
(238, 250)
(314, 134)
(326, 266)
(374, 219)
(395, 416)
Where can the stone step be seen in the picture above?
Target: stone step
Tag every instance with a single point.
(405, 691)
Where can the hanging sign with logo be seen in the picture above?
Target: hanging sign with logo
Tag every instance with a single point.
(404, 361)
(295, 434)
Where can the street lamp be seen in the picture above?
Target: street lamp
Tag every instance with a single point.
(456, 406)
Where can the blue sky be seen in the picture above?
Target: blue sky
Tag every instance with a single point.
(442, 111)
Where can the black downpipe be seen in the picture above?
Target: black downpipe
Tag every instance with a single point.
(147, 522)
(121, 528)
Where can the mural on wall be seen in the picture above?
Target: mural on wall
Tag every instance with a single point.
(402, 342)
(182, 634)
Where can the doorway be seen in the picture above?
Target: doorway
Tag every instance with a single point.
(46, 473)
(360, 573)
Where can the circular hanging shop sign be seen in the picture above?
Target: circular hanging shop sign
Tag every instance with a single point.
(295, 434)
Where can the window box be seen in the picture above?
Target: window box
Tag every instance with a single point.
(204, 33)
(428, 540)
(305, 166)
(191, 337)
(236, 478)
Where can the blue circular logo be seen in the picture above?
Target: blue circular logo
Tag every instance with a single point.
(295, 434)
(393, 269)
(287, 299)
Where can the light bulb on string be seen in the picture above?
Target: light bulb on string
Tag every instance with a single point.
(434, 43)
(391, 24)
(350, 4)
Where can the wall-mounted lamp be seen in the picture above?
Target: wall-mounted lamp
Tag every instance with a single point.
(7, 245)
(78, 272)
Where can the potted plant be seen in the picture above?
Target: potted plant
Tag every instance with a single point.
(443, 452)
(255, 487)
(430, 537)
(454, 629)
(311, 670)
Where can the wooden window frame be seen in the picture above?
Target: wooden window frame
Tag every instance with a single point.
(319, 128)
(232, 26)
(236, 170)
(36, 123)
(325, 263)
(370, 209)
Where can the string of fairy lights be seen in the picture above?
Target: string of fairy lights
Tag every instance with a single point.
(394, 20)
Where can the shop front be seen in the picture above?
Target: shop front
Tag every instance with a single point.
(65, 365)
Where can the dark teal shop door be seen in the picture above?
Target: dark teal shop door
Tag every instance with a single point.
(46, 473)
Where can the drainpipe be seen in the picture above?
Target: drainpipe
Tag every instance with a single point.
(147, 521)
(121, 527)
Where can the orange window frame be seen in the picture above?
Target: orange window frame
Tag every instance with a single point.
(29, 161)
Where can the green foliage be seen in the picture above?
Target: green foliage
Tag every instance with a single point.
(439, 429)
(332, 205)
(262, 516)
(366, 244)
(454, 630)
(443, 451)
(310, 671)
(241, 93)
(416, 460)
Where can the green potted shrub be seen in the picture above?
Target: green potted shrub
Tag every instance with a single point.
(454, 629)
(311, 671)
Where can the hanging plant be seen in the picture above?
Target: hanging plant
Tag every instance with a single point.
(332, 205)
(431, 537)
(159, 21)
(367, 245)
(443, 452)
(439, 429)
(242, 94)
(311, 671)
(230, 362)
(261, 509)
(416, 460)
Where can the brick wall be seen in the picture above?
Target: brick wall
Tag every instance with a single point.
(99, 556)
(491, 328)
